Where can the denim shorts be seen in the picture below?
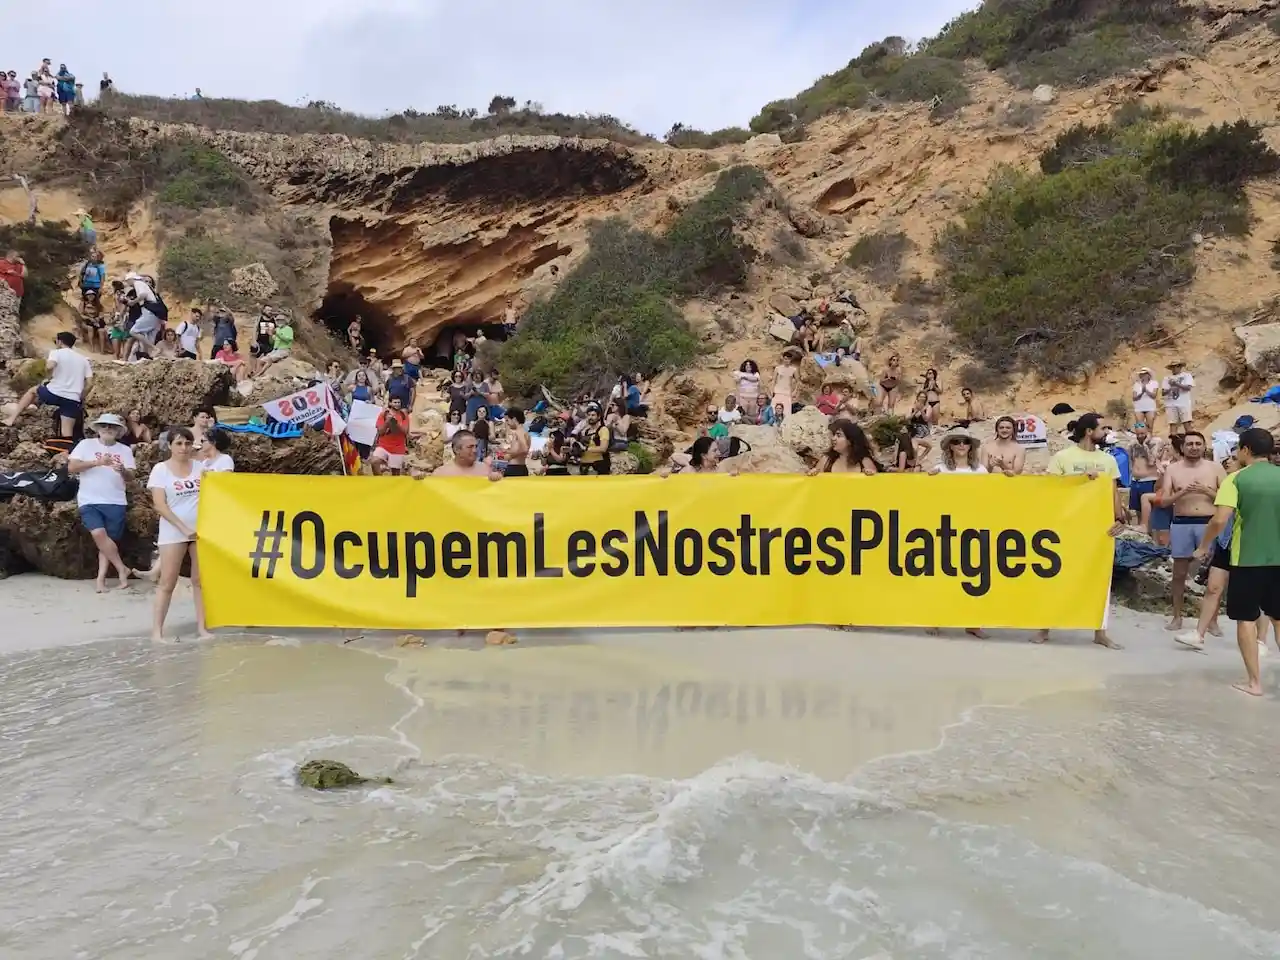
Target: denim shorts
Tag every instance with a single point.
(104, 516)
(1184, 536)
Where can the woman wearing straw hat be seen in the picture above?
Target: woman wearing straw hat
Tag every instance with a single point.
(959, 453)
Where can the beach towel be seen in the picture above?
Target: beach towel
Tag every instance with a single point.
(276, 431)
(1132, 554)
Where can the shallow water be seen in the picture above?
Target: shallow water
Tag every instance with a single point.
(150, 811)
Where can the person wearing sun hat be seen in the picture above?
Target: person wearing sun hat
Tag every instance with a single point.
(84, 224)
(1176, 390)
(102, 465)
(959, 450)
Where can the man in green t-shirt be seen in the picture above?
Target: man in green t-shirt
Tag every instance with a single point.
(1251, 502)
(281, 345)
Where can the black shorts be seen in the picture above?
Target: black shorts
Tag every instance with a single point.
(1221, 559)
(516, 470)
(1253, 592)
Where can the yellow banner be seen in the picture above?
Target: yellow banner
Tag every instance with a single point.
(894, 550)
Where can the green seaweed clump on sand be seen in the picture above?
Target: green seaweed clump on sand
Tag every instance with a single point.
(331, 775)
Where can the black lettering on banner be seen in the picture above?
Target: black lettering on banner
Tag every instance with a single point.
(860, 542)
(1040, 545)
(919, 561)
(612, 543)
(419, 560)
(300, 569)
(828, 539)
(390, 570)
(796, 548)
(582, 552)
(344, 570)
(688, 552)
(718, 545)
(657, 548)
(1011, 546)
(455, 555)
(767, 536)
(946, 535)
(540, 568)
(505, 544)
(976, 567)
(745, 533)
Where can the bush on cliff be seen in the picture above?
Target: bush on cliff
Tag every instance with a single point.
(444, 124)
(688, 138)
(1055, 270)
(199, 267)
(883, 71)
(618, 310)
(115, 167)
(50, 251)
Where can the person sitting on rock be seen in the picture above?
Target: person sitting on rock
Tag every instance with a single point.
(851, 452)
(68, 383)
(619, 423)
(102, 465)
(229, 356)
(224, 329)
(973, 411)
(167, 348)
(829, 400)
(729, 414)
(281, 346)
(137, 430)
(94, 326)
(771, 416)
(391, 445)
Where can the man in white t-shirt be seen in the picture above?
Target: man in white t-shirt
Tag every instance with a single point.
(102, 465)
(1144, 395)
(189, 335)
(66, 388)
(1176, 389)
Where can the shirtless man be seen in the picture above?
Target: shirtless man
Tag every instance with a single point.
(412, 357)
(1189, 485)
(465, 463)
(517, 444)
(1005, 454)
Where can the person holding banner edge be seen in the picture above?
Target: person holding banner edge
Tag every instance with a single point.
(1087, 458)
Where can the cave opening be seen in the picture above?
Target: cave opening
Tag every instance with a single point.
(343, 303)
(439, 353)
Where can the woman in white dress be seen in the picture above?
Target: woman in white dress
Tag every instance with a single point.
(175, 492)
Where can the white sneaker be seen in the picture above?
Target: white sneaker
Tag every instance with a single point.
(1262, 648)
(1190, 639)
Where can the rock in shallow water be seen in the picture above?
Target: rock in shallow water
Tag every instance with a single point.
(331, 775)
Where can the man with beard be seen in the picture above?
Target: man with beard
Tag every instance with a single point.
(1190, 486)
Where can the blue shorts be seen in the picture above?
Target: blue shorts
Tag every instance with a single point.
(104, 516)
(1136, 490)
(71, 409)
(1185, 535)
(411, 371)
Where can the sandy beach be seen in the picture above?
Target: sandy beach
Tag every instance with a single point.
(616, 794)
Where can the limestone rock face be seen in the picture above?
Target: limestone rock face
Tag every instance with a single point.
(1261, 348)
(168, 390)
(807, 433)
(10, 333)
(314, 453)
(683, 398)
(767, 459)
(253, 282)
(659, 432)
(50, 538)
(621, 464)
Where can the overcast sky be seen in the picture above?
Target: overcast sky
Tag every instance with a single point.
(707, 63)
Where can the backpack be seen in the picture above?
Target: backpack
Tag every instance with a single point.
(159, 309)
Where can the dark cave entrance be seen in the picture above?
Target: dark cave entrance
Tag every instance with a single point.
(439, 353)
(343, 303)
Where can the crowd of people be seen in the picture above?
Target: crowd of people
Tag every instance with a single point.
(45, 90)
(1183, 489)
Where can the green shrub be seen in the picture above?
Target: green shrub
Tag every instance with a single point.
(1117, 409)
(1005, 32)
(102, 156)
(198, 267)
(980, 378)
(643, 455)
(618, 310)
(1135, 112)
(880, 254)
(197, 177)
(1055, 270)
(688, 138)
(1089, 57)
(50, 250)
(1080, 144)
(883, 71)
(886, 430)
(444, 124)
(28, 374)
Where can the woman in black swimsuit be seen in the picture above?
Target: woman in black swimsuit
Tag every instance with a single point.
(933, 397)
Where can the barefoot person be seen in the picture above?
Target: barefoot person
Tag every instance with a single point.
(70, 376)
(175, 493)
(1086, 458)
(1251, 502)
(1190, 485)
(102, 466)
